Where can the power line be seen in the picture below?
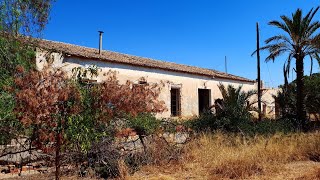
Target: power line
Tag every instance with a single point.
(270, 75)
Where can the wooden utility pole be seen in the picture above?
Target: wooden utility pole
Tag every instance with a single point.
(258, 71)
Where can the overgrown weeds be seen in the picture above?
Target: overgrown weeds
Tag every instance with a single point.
(157, 153)
(219, 155)
(107, 161)
(234, 156)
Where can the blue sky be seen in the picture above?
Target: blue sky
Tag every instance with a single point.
(199, 33)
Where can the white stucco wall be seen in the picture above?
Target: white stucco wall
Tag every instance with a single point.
(189, 83)
(268, 102)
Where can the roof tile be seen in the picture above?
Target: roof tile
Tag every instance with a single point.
(116, 57)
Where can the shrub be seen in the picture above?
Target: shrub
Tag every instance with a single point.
(212, 122)
(232, 113)
(271, 126)
(113, 99)
(104, 158)
(69, 116)
(158, 152)
(286, 99)
(144, 123)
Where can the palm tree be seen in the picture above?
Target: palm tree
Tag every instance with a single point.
(299, 40)
(236, 97)
(234, 109)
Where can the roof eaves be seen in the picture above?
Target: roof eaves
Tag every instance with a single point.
(92, 53)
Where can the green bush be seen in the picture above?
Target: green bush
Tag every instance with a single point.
(271, 126)
(232, 115)
(206, 122)
(211, 122)
(144, 124)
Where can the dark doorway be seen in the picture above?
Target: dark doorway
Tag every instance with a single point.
(204, 100)
(264, 109)
(175, 102)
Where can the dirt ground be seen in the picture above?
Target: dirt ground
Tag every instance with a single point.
(301, 170)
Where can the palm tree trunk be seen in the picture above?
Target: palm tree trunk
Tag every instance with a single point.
(301, 110)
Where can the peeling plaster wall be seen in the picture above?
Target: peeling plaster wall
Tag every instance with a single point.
(44, 58)
(189, 83)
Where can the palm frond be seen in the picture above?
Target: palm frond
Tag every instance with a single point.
(223, 90)
(312, 14)
(280, 25)
(288, 23)
(317, 57)
(315, 41)
(297, 27)
(278, 38)
(311, 61)
(313, 27)
(277, 49)
(272, 47)
(288, 64)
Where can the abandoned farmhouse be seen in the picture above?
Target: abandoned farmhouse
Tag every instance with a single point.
(187, 92)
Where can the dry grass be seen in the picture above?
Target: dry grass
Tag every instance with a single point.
(215, 156)
(222, 156)
(236, 157)
(311, 175)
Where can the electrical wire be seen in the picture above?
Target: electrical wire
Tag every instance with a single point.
(272, 83)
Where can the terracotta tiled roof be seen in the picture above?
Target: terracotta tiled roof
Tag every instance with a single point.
(116, 57)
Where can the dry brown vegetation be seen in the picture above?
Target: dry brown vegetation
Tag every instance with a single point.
(216, 156)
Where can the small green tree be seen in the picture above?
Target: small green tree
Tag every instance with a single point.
(287, 100)
(84, 129)
(312, 84)
(27, 17)
(24, 17)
